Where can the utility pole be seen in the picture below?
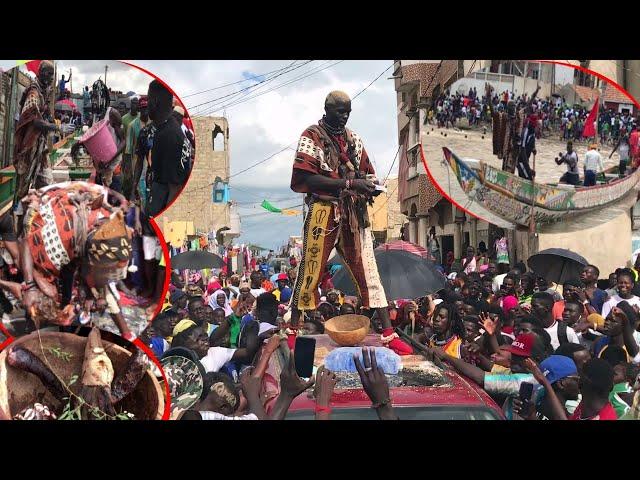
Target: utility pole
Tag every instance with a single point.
(106, 67)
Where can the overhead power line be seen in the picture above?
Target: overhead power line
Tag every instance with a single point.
(253, 77)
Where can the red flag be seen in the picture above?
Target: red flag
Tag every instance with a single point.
(590, 129)
(34, 66)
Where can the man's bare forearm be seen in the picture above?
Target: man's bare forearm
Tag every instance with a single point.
(320, 182)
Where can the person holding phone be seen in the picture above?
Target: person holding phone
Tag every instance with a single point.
(331, 167)
(501, 385)
(558, 373)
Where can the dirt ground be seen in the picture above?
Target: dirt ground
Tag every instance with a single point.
(468, 143)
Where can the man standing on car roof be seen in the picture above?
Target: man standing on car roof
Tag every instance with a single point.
(332, 167)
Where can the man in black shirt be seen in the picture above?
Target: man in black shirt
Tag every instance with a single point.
(170, 153)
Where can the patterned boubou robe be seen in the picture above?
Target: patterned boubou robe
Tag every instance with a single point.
(73, 223)
(507, 133)
(330, 224)
(30, 158)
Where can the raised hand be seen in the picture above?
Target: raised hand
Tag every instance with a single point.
(326, 381)
(375, 384)
(251, 384)
(241, 309)
(582, 325)
(534, 369)
(471, 348)
(517, 409)
(290, 383)
(619, 314)
(580, 294)
(272, 345)
(373, 379)
(490, 326)
(470, 352)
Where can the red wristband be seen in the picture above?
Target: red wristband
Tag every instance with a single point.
(321, 409)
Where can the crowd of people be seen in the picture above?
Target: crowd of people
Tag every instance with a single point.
(517, 122)
(503, 329)
(221, 324)
(79, 250)
(577, 344)
(552, 116)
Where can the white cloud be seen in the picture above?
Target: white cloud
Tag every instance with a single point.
(261, 126)
(120, 77)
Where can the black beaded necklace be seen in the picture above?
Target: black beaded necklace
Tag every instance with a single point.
(329, 128)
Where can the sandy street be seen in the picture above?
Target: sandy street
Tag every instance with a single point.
(470, 144)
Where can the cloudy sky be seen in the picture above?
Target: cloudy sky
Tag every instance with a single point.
(268, 105)
(264, 122)
(267, 108)
(120, 77)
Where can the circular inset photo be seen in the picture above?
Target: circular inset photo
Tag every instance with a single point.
(92, 150)
(532, 148)
(91, 375)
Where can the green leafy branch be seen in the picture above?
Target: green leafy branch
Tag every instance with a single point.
(59, 353)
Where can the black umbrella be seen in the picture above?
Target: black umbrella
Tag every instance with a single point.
(403, 275)
(557, 264)
(196, 260)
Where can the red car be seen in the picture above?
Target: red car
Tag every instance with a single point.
(432, 394)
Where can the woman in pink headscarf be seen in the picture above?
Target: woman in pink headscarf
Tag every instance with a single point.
(509, 303)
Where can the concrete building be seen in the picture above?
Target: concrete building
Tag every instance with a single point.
(417, 82)
(617, 101)
(204, 205)
(519, 77)
(578, 94)
(12, 85)
(385, 215)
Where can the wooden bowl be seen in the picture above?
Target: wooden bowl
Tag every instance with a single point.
(19, 389)
(347, 330)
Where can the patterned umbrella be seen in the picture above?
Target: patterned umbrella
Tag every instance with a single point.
(407, 247)
(66, 105)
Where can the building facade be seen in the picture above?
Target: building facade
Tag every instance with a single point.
(385, 215)
(204, 206)
(417, 84)
(12, 85)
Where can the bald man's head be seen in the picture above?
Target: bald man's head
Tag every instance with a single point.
(337, 107)
(336, 98)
